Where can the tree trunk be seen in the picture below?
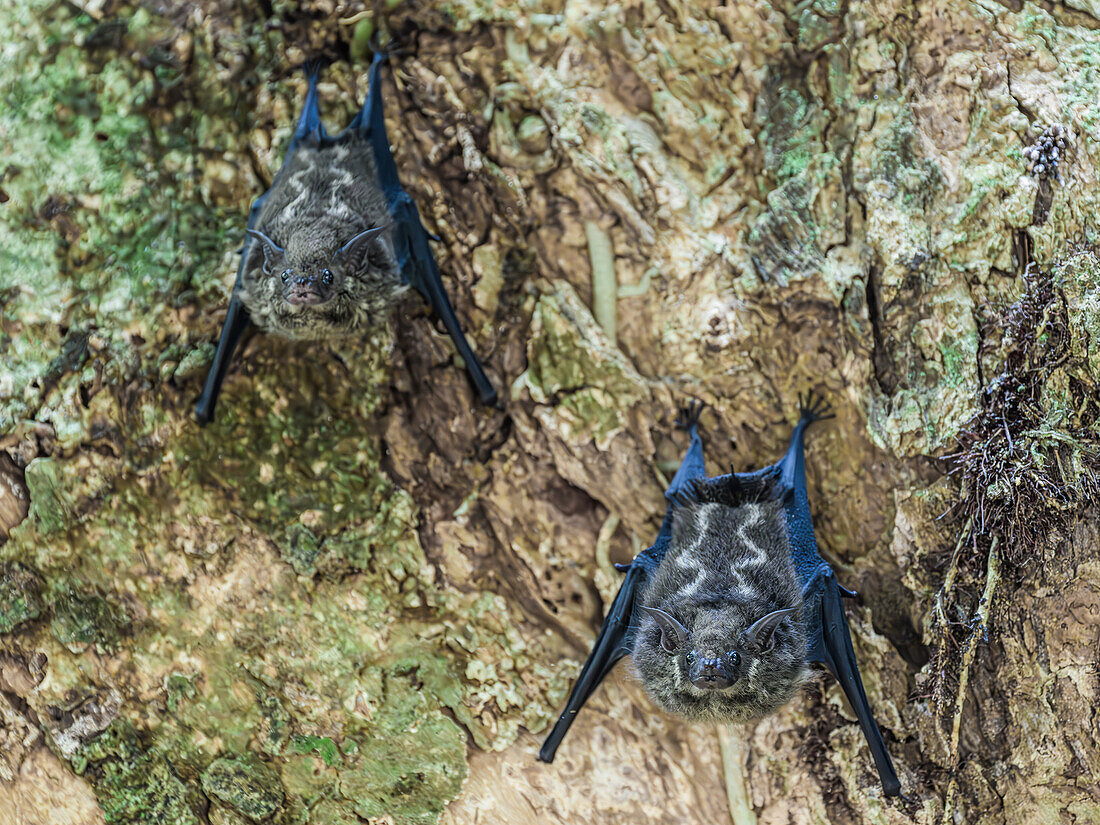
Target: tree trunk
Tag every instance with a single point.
(359, 596)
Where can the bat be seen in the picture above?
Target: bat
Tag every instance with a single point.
(722, 614)
(333, 244)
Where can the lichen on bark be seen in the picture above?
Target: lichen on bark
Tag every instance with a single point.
(357, 596)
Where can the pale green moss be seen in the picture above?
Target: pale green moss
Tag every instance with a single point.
(321, 745)
(413, 759)
(136, 785)
(1079, 279)
(247, 786)
(20, 596)
(570, 360)
(82, 618)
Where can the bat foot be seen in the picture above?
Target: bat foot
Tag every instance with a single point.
(814, 407)
(391, 47)
(688, 419)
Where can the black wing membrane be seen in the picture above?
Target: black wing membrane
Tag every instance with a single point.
(831, 645)
(410, 239)
(616, 637)
(612, 643)
(830, 641)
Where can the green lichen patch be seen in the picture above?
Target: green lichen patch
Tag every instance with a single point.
(301, 549)
(926, 361)
(82, 619)
(1078, 278)
(179, 688)
(20, 596)
(280, 653)
(136, 785)
(299, 449)
(100, 222)
(571, 362)
(410, 763)
(248, 786)
(330, 812)
(321, 745)
(62, 490)
(792, 124)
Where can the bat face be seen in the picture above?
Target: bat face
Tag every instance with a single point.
(722, 636)
(321, 256)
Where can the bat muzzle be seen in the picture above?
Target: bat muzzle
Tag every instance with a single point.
(711, 673)
(307, 292)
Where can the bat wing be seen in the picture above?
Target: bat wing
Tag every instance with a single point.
(616, 636)
(830, 641)
(831, 644)
(410, 239)
(237, 318)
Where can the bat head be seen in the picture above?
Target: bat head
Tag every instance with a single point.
(711, 659)
(718, 667)
(721, 633)
(313, 288)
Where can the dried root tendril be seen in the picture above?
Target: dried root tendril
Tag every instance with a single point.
(1028, 463)
(979, 631)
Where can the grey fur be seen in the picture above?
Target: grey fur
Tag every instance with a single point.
(726, 568)
(324, 196)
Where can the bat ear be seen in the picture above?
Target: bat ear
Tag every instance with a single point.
(761, 635)
(353, 251)
(673, 634)
(273, 253)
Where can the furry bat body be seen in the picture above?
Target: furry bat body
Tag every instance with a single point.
(723, 613)
(333, 244)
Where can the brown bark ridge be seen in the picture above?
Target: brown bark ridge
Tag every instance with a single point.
(359, 597)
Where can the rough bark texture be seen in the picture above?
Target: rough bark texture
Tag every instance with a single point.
(357, 596)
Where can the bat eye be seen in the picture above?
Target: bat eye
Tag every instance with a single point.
(326, 277)
(286, 274)
(733, 659)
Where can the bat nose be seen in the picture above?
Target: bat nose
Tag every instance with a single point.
(709, 673)
(307, 291)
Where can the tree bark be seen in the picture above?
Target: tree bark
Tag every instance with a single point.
(357, 596)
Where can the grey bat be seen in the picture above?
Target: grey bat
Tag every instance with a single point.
(721, 635)
(333, 244)
(723, 612)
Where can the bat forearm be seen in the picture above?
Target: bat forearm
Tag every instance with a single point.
(236, 321)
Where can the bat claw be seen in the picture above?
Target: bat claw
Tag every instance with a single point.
(689, 414)
(814, 407)
(846, 593)
(387, 49)
(623, 568)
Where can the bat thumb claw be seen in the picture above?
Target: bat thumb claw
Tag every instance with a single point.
(689, 414)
